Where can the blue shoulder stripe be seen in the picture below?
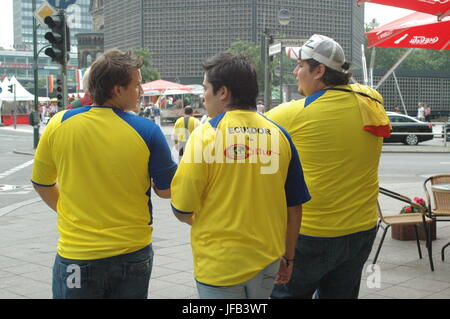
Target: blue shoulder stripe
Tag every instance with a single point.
(216, 120)
(161, 166)
(73, 112)
(314, 97)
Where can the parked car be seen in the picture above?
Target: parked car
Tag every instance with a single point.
(412, 128)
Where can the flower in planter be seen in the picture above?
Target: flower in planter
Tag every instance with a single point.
(412, 209)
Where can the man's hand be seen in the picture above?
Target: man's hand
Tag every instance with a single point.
(285, 272)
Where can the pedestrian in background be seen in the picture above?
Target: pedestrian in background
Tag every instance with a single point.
(183, 128)
(95, 166)
(427, 113)
(244, 199)
(421, 111)
(338, 131)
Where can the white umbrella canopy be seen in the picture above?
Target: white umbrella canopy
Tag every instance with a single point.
(21, 93)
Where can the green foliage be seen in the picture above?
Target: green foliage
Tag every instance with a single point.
(148, 72)
(253, 52)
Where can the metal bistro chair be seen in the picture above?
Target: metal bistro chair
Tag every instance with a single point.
(441, 199)
(405, 219)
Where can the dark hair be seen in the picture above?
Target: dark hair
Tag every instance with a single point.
(236, 73)
(188, 110)
(113, 68)
(332, 77)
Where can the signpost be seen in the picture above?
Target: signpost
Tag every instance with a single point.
(44, 10)
(48, 8)
(61, 4)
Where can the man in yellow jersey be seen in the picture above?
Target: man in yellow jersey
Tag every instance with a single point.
(95, 167)
(240, 185)
(338, 131)
(183, 128)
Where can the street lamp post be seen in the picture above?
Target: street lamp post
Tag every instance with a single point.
(283, 19)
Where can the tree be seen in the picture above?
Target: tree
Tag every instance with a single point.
(253, 52)
(148, 72)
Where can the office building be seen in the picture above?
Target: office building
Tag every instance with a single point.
(78, 18)
(183, 33)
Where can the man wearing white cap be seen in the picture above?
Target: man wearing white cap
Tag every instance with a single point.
(338, 131)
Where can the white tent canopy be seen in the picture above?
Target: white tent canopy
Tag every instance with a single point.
(21, 93)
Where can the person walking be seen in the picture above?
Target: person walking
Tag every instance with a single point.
(338, 130)
(95, 167)
(183, 128)
(240, 185)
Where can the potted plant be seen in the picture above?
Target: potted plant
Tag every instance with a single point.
(406, 232)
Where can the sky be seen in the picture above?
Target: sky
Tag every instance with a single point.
(382, 14)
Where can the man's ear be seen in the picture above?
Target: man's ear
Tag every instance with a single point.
(117, 90)
(319, 71)
(224, 93)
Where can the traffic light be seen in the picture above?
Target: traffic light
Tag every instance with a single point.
(59, 94)
(59, 38)
(11, 88)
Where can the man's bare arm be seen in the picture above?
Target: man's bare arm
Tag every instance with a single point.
(49, 194)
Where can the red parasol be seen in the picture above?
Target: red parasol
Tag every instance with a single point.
(439, 8)
(417, 30)
(162, 85)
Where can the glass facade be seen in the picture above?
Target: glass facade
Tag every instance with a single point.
(183, 33)
(78, 15)
(20, 64)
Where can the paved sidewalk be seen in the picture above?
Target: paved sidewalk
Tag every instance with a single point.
(29, 239)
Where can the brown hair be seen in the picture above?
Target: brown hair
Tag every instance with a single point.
(332, 77)
(113, 68)
(238, 74)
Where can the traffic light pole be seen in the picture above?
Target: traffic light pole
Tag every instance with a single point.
(64, 64)
(36, 81)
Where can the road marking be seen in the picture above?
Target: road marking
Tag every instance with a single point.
(16, 169)
(6, 189)
(445, 163)
(13, 207)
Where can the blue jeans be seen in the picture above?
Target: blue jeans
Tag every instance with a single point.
(329, 267)
(124, 276)
(259, 287)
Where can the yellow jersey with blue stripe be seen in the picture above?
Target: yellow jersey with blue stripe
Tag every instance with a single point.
(180, 131)
(339, 158)
(103, 161)
(237, 177)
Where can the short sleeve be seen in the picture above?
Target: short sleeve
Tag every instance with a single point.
(190, 179)
(295, 187)
(161, 165)
(44, 169)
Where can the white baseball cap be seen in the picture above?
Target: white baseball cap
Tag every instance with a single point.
(324, 50)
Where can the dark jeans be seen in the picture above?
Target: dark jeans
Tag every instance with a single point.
(329, 267)
(125, 276)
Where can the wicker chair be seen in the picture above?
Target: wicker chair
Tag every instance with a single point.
(405, 219)
(441, 210)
